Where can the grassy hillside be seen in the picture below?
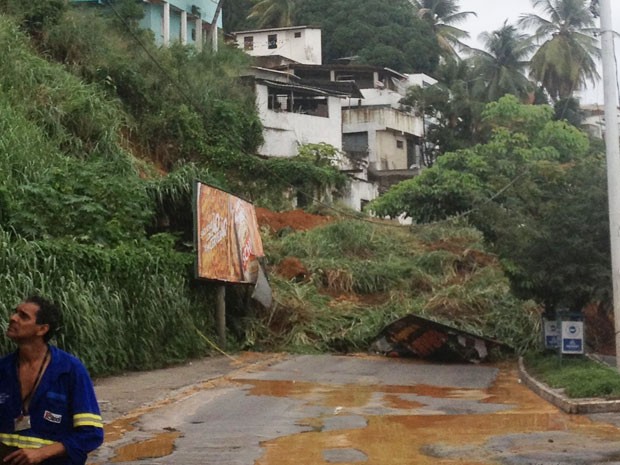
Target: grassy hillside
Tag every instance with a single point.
(98, 152)
(338, 285)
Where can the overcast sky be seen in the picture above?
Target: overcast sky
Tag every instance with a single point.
(493, 13)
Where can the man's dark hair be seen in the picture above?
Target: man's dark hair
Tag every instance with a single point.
(48, 314)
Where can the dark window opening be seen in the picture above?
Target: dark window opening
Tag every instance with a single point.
(400, 144)
(194, 35)
(293, 102)
(297, 35)
(272, 41)
(248, 43)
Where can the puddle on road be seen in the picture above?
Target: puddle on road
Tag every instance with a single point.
(159, 446)
(407, 438)
(404, 436)
(118, 428)
(356, 395)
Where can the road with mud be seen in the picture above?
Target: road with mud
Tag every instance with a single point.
(316, 410)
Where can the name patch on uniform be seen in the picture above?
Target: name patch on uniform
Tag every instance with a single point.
(52, 417)
(4, 397)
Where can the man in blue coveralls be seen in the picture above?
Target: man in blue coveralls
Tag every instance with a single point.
(48, 410)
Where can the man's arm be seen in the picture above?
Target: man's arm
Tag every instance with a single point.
(87, 432)
(34, 456)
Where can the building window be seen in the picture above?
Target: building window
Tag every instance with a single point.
(248, 43)
(272, 41)
(297, 35)
(400, 144)
(292, 101)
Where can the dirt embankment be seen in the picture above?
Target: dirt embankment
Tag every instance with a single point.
(598, 321)
(297, 220)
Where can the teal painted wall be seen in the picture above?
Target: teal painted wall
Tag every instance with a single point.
(154, 13)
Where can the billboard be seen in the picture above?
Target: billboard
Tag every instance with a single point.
(228, 242)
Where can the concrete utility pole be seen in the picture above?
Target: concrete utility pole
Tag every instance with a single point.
(612, 144)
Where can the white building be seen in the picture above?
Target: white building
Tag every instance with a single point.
(594, 121)
(355, 108)
(299, 43)
(294, 114)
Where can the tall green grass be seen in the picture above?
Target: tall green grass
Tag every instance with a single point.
(127, 308)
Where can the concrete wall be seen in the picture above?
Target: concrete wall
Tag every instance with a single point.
(359, 193)
(389, 155)
(305, 49)
(284, 132)
(359, 119)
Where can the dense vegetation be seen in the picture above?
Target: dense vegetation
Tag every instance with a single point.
(102, 134)
(363, 275)
(578, 377)
(100, 143)
(537, 191)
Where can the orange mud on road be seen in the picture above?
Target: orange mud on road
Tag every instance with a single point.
(409, 438)
(323, 410)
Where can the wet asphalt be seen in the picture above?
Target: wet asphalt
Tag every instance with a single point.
(262, 409)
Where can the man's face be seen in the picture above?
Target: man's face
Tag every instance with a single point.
(23, 323)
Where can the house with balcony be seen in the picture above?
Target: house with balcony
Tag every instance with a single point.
(294, 113)
(355, 108)
(184, 21)
(378, 133)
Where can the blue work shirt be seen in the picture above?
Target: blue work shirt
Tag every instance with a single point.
(63, 409)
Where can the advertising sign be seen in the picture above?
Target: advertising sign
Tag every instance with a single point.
(572, 337)
(228, 242)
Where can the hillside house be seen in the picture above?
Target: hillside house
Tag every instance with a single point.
(184, 21)
(377, 131)
(355, 108)
(301, 44)
(293, 113)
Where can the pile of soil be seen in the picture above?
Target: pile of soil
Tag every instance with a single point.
(290, 268)
(297, 220)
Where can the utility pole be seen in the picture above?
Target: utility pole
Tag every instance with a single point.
(612, 150)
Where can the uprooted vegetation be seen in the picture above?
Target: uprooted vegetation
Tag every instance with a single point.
(337, 285)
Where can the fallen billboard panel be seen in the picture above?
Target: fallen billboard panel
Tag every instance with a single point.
(413, 335)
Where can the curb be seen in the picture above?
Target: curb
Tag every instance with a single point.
(557, 398)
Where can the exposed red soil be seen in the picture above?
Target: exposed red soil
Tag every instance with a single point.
(297, 220)
(292, 268)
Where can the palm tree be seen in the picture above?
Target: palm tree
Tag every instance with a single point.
(273, 13)
(442, 15)
(566, 60)
(502, 66)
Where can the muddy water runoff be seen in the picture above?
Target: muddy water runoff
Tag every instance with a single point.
(418, 424)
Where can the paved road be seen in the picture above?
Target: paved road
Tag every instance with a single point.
(315, 410)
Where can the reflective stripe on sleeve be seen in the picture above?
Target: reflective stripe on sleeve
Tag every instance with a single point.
(23, 442)
(87, 419)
